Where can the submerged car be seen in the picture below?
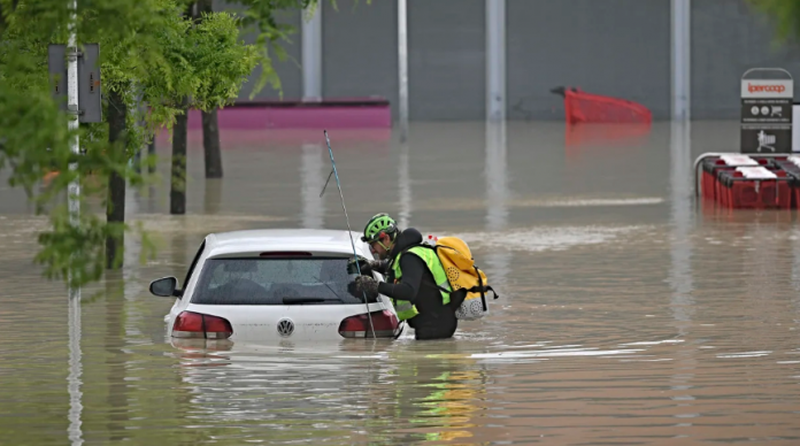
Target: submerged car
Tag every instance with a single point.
(261, 285)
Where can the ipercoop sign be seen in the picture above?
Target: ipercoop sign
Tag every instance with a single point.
(766, 125)
(767, 89)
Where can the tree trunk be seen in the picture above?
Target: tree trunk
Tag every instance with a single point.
(213, 154)
(211, 146)
(115, 203)
(151, 152)
(177, 194)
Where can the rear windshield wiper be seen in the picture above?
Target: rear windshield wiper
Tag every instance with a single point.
(307, 300)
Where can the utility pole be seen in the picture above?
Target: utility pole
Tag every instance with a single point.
(402, 63)
(74, 188)
(75, 86)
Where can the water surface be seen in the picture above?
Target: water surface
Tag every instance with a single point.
(629, 313)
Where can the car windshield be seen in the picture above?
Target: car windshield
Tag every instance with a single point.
(275, 281)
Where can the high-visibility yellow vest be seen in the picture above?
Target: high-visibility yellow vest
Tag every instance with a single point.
(405, 309)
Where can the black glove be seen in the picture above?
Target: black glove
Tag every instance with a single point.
(366, 266)
(364, 285)
(363, 264)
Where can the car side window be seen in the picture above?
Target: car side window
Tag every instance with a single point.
(194, 264)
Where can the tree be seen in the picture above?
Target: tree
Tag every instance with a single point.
(148, 50)
(261, 15)
(221, 65)
(211, 147)
(785, 13)
(150, 54)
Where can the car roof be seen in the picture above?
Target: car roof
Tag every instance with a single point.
(254, 241)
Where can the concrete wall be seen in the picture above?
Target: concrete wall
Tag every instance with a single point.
(359, 50)
(613, 47)
(619, 48)
(288, 70)
(727, 40)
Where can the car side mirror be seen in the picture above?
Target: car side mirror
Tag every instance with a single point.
(165, 287)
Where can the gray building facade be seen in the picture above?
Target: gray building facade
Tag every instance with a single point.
(618, 48)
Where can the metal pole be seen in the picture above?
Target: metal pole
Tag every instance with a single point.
(73, 202)
(74, 188)
(404, 186)
(312, 53)
(495, 60)
(681, 59)
(402, 62)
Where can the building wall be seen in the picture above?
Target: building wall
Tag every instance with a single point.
(359, 50)
(727, 40)
(619, 48)
(288, 70)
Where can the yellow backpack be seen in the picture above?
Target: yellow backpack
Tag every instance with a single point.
(462, 273)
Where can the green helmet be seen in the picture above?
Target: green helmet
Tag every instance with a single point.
(378, 224)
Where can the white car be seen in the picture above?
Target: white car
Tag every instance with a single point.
(280, 284)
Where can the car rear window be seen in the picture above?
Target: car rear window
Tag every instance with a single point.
(275, 281)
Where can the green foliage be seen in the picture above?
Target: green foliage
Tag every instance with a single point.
(150, 54)
(786, 16)
(155, 58)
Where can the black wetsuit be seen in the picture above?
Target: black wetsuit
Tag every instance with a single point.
(435, 320)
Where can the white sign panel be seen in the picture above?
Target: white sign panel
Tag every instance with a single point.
(767, 113)
(756, 88)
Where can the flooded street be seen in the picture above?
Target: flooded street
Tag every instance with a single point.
(629, 313)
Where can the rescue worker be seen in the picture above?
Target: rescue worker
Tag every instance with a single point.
(411, 271)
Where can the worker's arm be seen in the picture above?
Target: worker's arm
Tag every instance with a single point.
(380, 266)
(407, 289)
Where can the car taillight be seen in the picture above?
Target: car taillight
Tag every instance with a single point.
(384, 322)
(196, 325)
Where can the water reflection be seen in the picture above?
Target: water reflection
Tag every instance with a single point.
(681, 177)
(497, 193)
(313, 174)
(212, 198)
(680, 276)
(356, 392)
(75, 369)
(114, 343)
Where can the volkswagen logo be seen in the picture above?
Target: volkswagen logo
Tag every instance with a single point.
(285, 327)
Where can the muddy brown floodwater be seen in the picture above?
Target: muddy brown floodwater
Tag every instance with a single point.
(630, 314)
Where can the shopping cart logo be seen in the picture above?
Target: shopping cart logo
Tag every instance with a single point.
(766, 141)
(777, 111)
